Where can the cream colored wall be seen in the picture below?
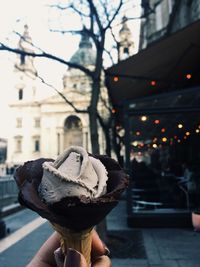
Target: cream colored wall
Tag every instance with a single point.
(52, 112)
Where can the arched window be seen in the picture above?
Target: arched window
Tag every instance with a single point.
(72, 122)
(73, 135)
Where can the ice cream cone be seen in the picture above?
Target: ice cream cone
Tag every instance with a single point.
(73, 217)
(80, 241)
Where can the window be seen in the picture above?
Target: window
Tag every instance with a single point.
(19, 123)
(18, 144)
(36, 143)
(126, 50)
(37, 122)
(20, 94)
(22, 59)
(159, 23)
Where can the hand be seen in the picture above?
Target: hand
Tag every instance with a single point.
(45, 255)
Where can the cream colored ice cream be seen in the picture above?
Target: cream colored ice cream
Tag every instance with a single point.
(73, 173)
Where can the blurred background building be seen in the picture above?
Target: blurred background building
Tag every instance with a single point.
(164, 17)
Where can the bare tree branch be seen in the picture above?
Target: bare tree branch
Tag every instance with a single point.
(115, 14)
(31, 43)
(63, 96)
(60, 7)
(55, 89)
(94, 11)
(49, 56)
(79, 12)
(109, 55)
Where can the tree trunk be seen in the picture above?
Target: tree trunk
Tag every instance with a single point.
(93, 115)
(94, 130)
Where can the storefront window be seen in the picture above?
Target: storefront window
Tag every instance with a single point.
(164, 156)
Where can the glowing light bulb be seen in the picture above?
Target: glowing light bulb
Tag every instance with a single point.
(135, 143)
(154, 146)
(164, 139)
(143, 118)
(197, 130)
(137, 133)
(113, 110)
(180, 126)
(187, 133)
(188, 76)
(163, 130)
(116, 79)
(157, 121)
(153, 83)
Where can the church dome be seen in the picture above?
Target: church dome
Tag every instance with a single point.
(85, 55)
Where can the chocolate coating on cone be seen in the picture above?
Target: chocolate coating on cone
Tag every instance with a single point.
(76, 213)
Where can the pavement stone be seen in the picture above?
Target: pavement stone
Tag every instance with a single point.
(165, 247)
(20, 254)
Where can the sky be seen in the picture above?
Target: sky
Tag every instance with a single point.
(13, 16)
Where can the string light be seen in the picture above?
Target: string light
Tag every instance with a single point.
(113, 110)
(178, 140)
(188, 76)
(135, 143)
(185, 137)
(187, 133)
(137, 133)
(143, 118)
(197, 130)
(116, 79)
(164, 139)
(163, 130)
(153, 83)
(180, 126)
(157, 121)
(154, 146)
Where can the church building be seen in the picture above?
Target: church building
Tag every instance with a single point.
(44, 127)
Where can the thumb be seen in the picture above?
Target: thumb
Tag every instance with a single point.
(74, 259)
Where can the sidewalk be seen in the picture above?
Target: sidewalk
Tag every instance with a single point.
(165, 247)
(162, 247)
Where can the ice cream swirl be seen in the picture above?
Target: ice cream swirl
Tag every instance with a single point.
(73, 173)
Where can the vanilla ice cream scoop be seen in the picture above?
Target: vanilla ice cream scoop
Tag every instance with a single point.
(73, 173)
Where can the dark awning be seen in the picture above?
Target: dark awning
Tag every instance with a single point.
(161, 67)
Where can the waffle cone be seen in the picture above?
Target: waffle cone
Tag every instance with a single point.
(80, 241)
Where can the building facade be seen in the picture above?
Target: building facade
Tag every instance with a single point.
(163, 17)
(44, 127)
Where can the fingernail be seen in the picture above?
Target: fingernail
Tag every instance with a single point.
(73, 258)
(59, 257)
(107, 251)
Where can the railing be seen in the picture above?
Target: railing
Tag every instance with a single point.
(8, 187)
